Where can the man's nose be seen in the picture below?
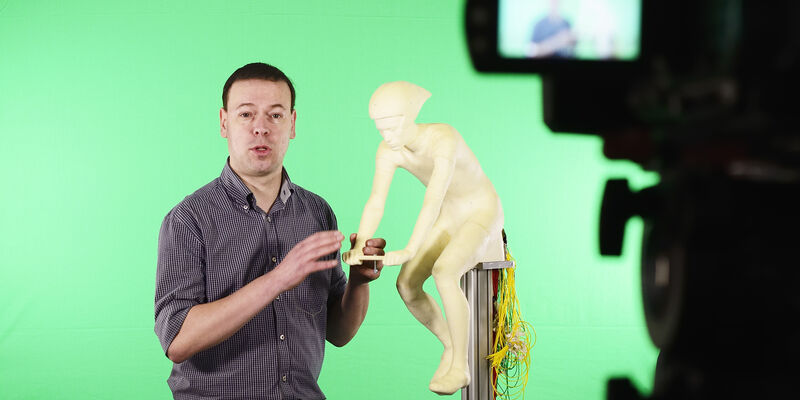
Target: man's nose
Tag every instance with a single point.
(261, 126)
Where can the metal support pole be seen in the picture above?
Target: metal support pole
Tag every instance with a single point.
(478, 288)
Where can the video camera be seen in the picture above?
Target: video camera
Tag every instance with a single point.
(704, 92)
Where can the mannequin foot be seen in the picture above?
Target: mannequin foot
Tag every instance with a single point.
(444, 364)
(454, 380)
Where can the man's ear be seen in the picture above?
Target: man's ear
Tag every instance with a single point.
(294, 120)
(223, 122)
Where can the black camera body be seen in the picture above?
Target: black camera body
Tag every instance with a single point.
(710, 102)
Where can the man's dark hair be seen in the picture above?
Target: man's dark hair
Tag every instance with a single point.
(256, 71)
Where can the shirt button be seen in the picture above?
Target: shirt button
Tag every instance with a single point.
(274, 259)
(269, 219)
(283, 337)
(245, 207)
(283, 378)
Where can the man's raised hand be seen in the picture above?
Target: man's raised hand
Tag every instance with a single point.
(304, 258)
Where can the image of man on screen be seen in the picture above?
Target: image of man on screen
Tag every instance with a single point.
(553, 35)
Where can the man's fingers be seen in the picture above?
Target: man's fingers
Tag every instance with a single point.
(324, 264)
(372, 251)
(325, 235)
(321, 250)
(321, 239)
(376, 242)
(353, 240)
(374, 246)
(319, 244)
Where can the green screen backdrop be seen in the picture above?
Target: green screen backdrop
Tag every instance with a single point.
(109, 117)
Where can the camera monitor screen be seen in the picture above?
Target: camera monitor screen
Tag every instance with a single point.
(591, 30)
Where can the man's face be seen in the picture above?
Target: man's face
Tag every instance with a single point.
(258, 125)
(394, 131)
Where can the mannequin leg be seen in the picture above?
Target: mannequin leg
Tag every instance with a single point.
(462, 253)
(422, 306)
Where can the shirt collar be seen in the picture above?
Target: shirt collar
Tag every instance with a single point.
(241, 194)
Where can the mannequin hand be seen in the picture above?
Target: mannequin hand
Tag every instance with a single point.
(352, 257)
(397, 257)
(366, 270)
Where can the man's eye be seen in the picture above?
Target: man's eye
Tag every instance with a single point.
(246, 114)
(277, 116)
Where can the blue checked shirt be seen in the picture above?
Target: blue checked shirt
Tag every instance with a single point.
(214, 242)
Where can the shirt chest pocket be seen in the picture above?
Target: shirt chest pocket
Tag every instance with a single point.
(311, 296)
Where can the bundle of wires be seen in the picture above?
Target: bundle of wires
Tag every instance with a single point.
(512, 341)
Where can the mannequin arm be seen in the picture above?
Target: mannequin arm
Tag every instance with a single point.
(373, 210)
(443, 168)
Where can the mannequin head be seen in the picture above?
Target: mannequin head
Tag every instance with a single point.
(394, 106)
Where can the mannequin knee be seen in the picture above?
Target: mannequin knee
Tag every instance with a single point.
(408, 291)
(445, 273)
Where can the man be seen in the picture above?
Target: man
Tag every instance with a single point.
(248, 283)
(553, 35)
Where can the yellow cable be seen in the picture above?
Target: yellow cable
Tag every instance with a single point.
(512, 343)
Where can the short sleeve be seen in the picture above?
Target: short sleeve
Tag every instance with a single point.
(180, 277)
(338, 278)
